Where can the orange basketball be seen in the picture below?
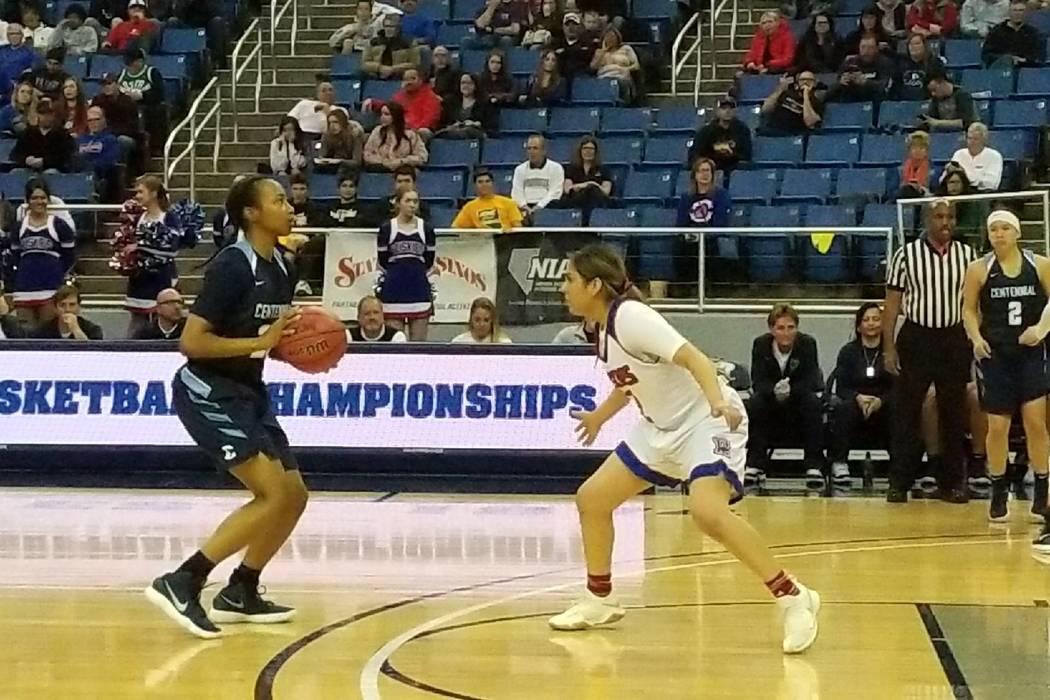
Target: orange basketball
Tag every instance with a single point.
(317, 345)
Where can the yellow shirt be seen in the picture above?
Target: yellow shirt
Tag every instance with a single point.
(495, 212)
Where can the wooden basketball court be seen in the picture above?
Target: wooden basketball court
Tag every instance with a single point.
(436, 596)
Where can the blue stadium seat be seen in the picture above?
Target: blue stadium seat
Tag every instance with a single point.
(73, 188)
(943, 145)
(439, 10)
(522, 62)
(768, 256)
(653, 9)
(76, 66)
(618, 175)
(6, 146)
(753, 186)
(595, 91)
(1020, 113)
(379, 89)
(1040, 19)
(173, 67)
(833, 149)
(622, 150)
(324, 187)
(13, 185)
(346, 65)
(503, 151)
(962, 53)
(756, 88)
(466, 10)
(442, 216)
(442, 185)
(851, 7)
(685, 120)
(988, 83)
(886, 215)
(830, 215)
(574, 120)
(903, 115)
(648, 186)
(777, 216)
(560, 149)
(750, 115)
(626, 120)
(658, 217)
(614, 218)
(666, 150)
(798, 27)
(503, 176)
(861, 184)
(777, 150)
(523, 121)
(374, 186)
(473, 60)
(557, 218)
(833, 265)
(1013, 144)
(185, 41)
(846, 116)
(446, 153)
(740, 216)
(882, 149)
(806, 186)
(452, 35)
(1033, 82)
(104, 63)
(347, 92)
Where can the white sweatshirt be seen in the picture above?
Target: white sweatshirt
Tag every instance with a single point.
(537, 186)
(985, 170)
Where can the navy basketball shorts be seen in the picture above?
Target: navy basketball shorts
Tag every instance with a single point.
(1011, 377)
(231, 422)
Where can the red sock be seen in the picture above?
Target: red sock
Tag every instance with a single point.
(782, 585)
(599, 584)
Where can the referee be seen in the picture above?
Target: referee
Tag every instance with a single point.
(925, 282)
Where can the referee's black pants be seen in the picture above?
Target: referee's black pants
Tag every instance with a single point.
(941, 356)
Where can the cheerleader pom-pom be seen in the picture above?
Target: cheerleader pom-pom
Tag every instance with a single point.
(191, 216)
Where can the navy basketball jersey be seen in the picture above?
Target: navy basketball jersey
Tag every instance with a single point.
(1009, 305)
(243, 294)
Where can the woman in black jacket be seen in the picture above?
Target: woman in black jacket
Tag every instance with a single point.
(495, 84)
(820, 49)
(870, 24)
(467, 115)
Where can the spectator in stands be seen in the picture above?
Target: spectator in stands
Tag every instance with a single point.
(893, 16)
(391, 144)
(484, 324)
(785, 378)
(37, 33)
(72, 109)
(72, 35)
(1014, 42)
(979, 16)
(107, 14)
(574, 48)
(983, 164)
(914, 69)
(546, 86)
(618, 61)
(865, 77)
(46, 147)
(404, 177)
(863, 390)
(44, 246)
(391, 54)
(288, 150)
(539, 180)
(951, 107)
(444, 77)
(404, 286)
(48, 79)
(422, 106)
(312, 115)
(915, 172)
(725, 139)
(9, 325)
(544, 26)
(139, 30)
(15, 59)
(933, 17)
(820, 49)
(794, 107)
(593, 23)
(341, 146)
(495, 83)
(488, 209)
(145, 85)
(500, 23)
(608, 12)
(358, 35)
(869, 25)
(99, 150)
(587, 185)
(163, 228)
(306, 213)
(16, 117)
(706, 205)
(417, 26)
(969, 216)
(169, 318)
(207, 15)
(467, 115)
(371, 326)
(67, 324)
(122, 116)
(347, 212)
(772, 48)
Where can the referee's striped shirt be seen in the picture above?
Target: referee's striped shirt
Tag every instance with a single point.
(931, 282)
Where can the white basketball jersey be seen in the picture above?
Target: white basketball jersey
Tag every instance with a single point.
(638, 345)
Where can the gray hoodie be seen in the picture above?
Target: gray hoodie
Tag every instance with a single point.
(77, 42)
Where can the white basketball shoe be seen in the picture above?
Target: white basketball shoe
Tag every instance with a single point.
(587, 612)
(800, 619)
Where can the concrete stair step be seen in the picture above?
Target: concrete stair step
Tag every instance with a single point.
(116, 285)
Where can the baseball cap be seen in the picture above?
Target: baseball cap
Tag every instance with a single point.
(727, 101)
(571, 17)
(137, 3)
(109, 77)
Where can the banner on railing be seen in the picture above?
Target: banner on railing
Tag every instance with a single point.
(466, 269)
(531, 267)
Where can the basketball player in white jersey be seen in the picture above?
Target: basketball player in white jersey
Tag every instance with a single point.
(692, 429)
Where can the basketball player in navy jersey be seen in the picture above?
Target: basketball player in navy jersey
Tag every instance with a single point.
(243, 311)
(1006, 316)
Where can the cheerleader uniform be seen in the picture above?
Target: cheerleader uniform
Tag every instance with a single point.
(405, 257)
(44, 256)
(145, 284)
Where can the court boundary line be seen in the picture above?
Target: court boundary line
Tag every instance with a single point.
(943, 648)
(371, 670)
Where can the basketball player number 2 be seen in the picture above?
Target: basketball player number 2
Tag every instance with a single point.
(260, 354)
(1013, 313)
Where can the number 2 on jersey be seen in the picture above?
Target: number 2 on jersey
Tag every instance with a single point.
(1013, 313)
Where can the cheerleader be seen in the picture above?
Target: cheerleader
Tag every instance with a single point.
(44, 247)
(406, 255)
(163, 228)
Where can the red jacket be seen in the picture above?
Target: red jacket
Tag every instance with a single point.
(946, 14)
(422, 110)
(120, 35)
(781, 48)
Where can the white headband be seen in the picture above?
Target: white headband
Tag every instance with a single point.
(1004, 216)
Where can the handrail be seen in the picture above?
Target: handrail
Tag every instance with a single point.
(1044, 195)
(678, 64)
(235, 73)
(716, 12)
(275, 21)
(195, 131)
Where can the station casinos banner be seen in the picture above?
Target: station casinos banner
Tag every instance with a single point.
(531, 266)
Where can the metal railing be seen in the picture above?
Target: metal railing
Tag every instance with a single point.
(1043, 195)
(254, 30)
(276, 15)
(195, 128)
(678, 63)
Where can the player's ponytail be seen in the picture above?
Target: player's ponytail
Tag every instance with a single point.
(243, 194)
(600, 262)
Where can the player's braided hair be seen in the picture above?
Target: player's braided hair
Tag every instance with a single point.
(601, 262)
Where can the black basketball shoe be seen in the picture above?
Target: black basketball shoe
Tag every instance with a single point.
(239, 602)
(178, 597)
(1039, 498)
(997, 509)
